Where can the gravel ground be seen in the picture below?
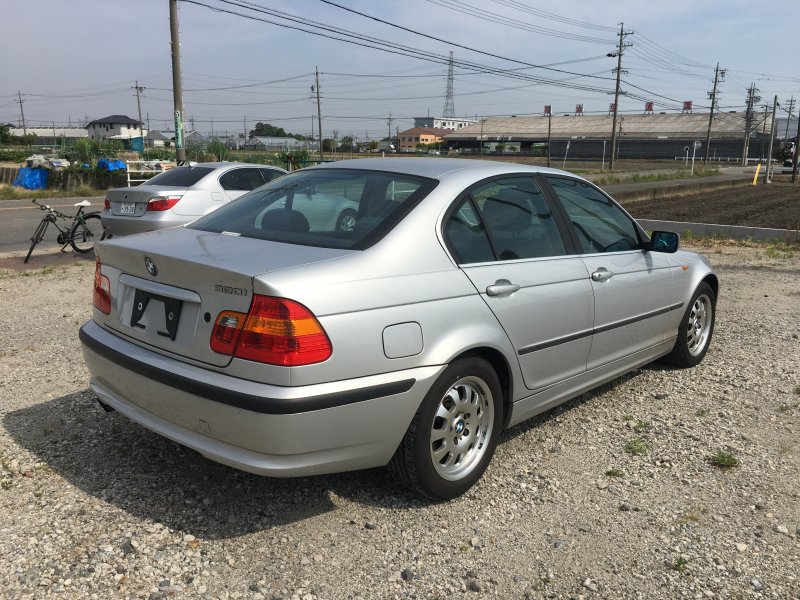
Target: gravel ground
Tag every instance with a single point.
(94, 506)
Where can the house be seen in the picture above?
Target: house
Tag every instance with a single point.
(117, 127)
(194, 138)
(156, 139)
(411, 138)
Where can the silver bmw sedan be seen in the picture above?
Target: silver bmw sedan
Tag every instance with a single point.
(461, 297)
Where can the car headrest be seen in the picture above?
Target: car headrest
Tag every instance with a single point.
(510, 210)
(285, 219)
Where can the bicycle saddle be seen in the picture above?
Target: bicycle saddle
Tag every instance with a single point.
(83, 203)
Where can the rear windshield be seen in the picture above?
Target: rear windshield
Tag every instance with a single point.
(180, 176)
(331, 208)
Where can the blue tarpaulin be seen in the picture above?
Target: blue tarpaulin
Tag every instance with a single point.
(105, 164)
(31, 179)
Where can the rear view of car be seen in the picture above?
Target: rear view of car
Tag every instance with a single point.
(180, 196)
(387, 312)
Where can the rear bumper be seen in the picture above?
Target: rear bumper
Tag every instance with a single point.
(264, 429)
(150, 221)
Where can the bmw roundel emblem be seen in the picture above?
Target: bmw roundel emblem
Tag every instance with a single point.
(151, 266)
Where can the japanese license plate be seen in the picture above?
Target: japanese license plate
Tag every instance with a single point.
(127, 208)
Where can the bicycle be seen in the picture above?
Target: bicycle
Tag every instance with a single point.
(81, 231)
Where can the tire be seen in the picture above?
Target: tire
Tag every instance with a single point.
(347, 220)
(85, 234)
(37, 236)
(435, 461)
(696, 329)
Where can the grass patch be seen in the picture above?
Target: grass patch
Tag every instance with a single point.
(701, 412)
(679, 564)
(642, 426)
(639, 177)
(16, 193)
(724, 460)
(780, 251)
(614, 473)
(627, 417)
(785, 408)
(637, 447)
(797, 390)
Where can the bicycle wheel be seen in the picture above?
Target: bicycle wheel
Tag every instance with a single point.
(37, 236)
(86, 232)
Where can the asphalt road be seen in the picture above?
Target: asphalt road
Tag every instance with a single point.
(18, 219)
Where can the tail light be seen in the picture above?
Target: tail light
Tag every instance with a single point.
(275, 331)
(106, 204)
(102, 290)
(161, 203)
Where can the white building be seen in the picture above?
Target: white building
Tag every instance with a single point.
(443, 122)
(115, 127)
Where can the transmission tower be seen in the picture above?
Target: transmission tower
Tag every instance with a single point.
(449, 111)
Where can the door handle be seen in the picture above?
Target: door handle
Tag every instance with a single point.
(502, 287)
(602, 274)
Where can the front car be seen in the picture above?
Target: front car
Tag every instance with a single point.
(269, 338)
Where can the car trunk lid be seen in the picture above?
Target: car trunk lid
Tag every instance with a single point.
(168, 288)
(132, 201)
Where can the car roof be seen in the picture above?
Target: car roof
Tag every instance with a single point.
(224, 164)
(437, 168)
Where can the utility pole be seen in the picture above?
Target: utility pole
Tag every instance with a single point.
(139, 89)
(719, 76)
(319, 116)
(788, 119)
(620, 49)
(796, 156)
(22, 114)
(389, 139)
(752, 100)
(771, 139)
(549, 131)
(177, 85)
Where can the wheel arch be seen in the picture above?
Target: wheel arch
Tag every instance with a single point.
(713, 282)
(501, 367)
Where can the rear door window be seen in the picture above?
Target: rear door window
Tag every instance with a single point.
(241, 180)
(180, 176)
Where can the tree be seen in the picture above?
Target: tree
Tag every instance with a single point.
(218, 150)
(373, 144)
(327, 145)
(5, 133)
(267, 130)
(346, 144)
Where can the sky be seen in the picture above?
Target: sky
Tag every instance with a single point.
(78, 60)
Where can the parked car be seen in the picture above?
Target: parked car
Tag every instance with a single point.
(466, 297)
(180, 195)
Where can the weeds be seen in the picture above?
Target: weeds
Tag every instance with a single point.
(679, 564)
(642, 426)
(614, 473)
(724, 460)
(701, 412)
(637, 447)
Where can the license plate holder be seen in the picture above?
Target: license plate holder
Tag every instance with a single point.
(172, 312)
(127, 208)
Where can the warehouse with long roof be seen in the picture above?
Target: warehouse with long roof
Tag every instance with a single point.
(663, 135)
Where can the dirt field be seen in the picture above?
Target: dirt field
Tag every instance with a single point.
(775, 205)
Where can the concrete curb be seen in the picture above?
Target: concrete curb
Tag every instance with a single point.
(733, 232)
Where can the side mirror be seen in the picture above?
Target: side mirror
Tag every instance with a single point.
(663, 241)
